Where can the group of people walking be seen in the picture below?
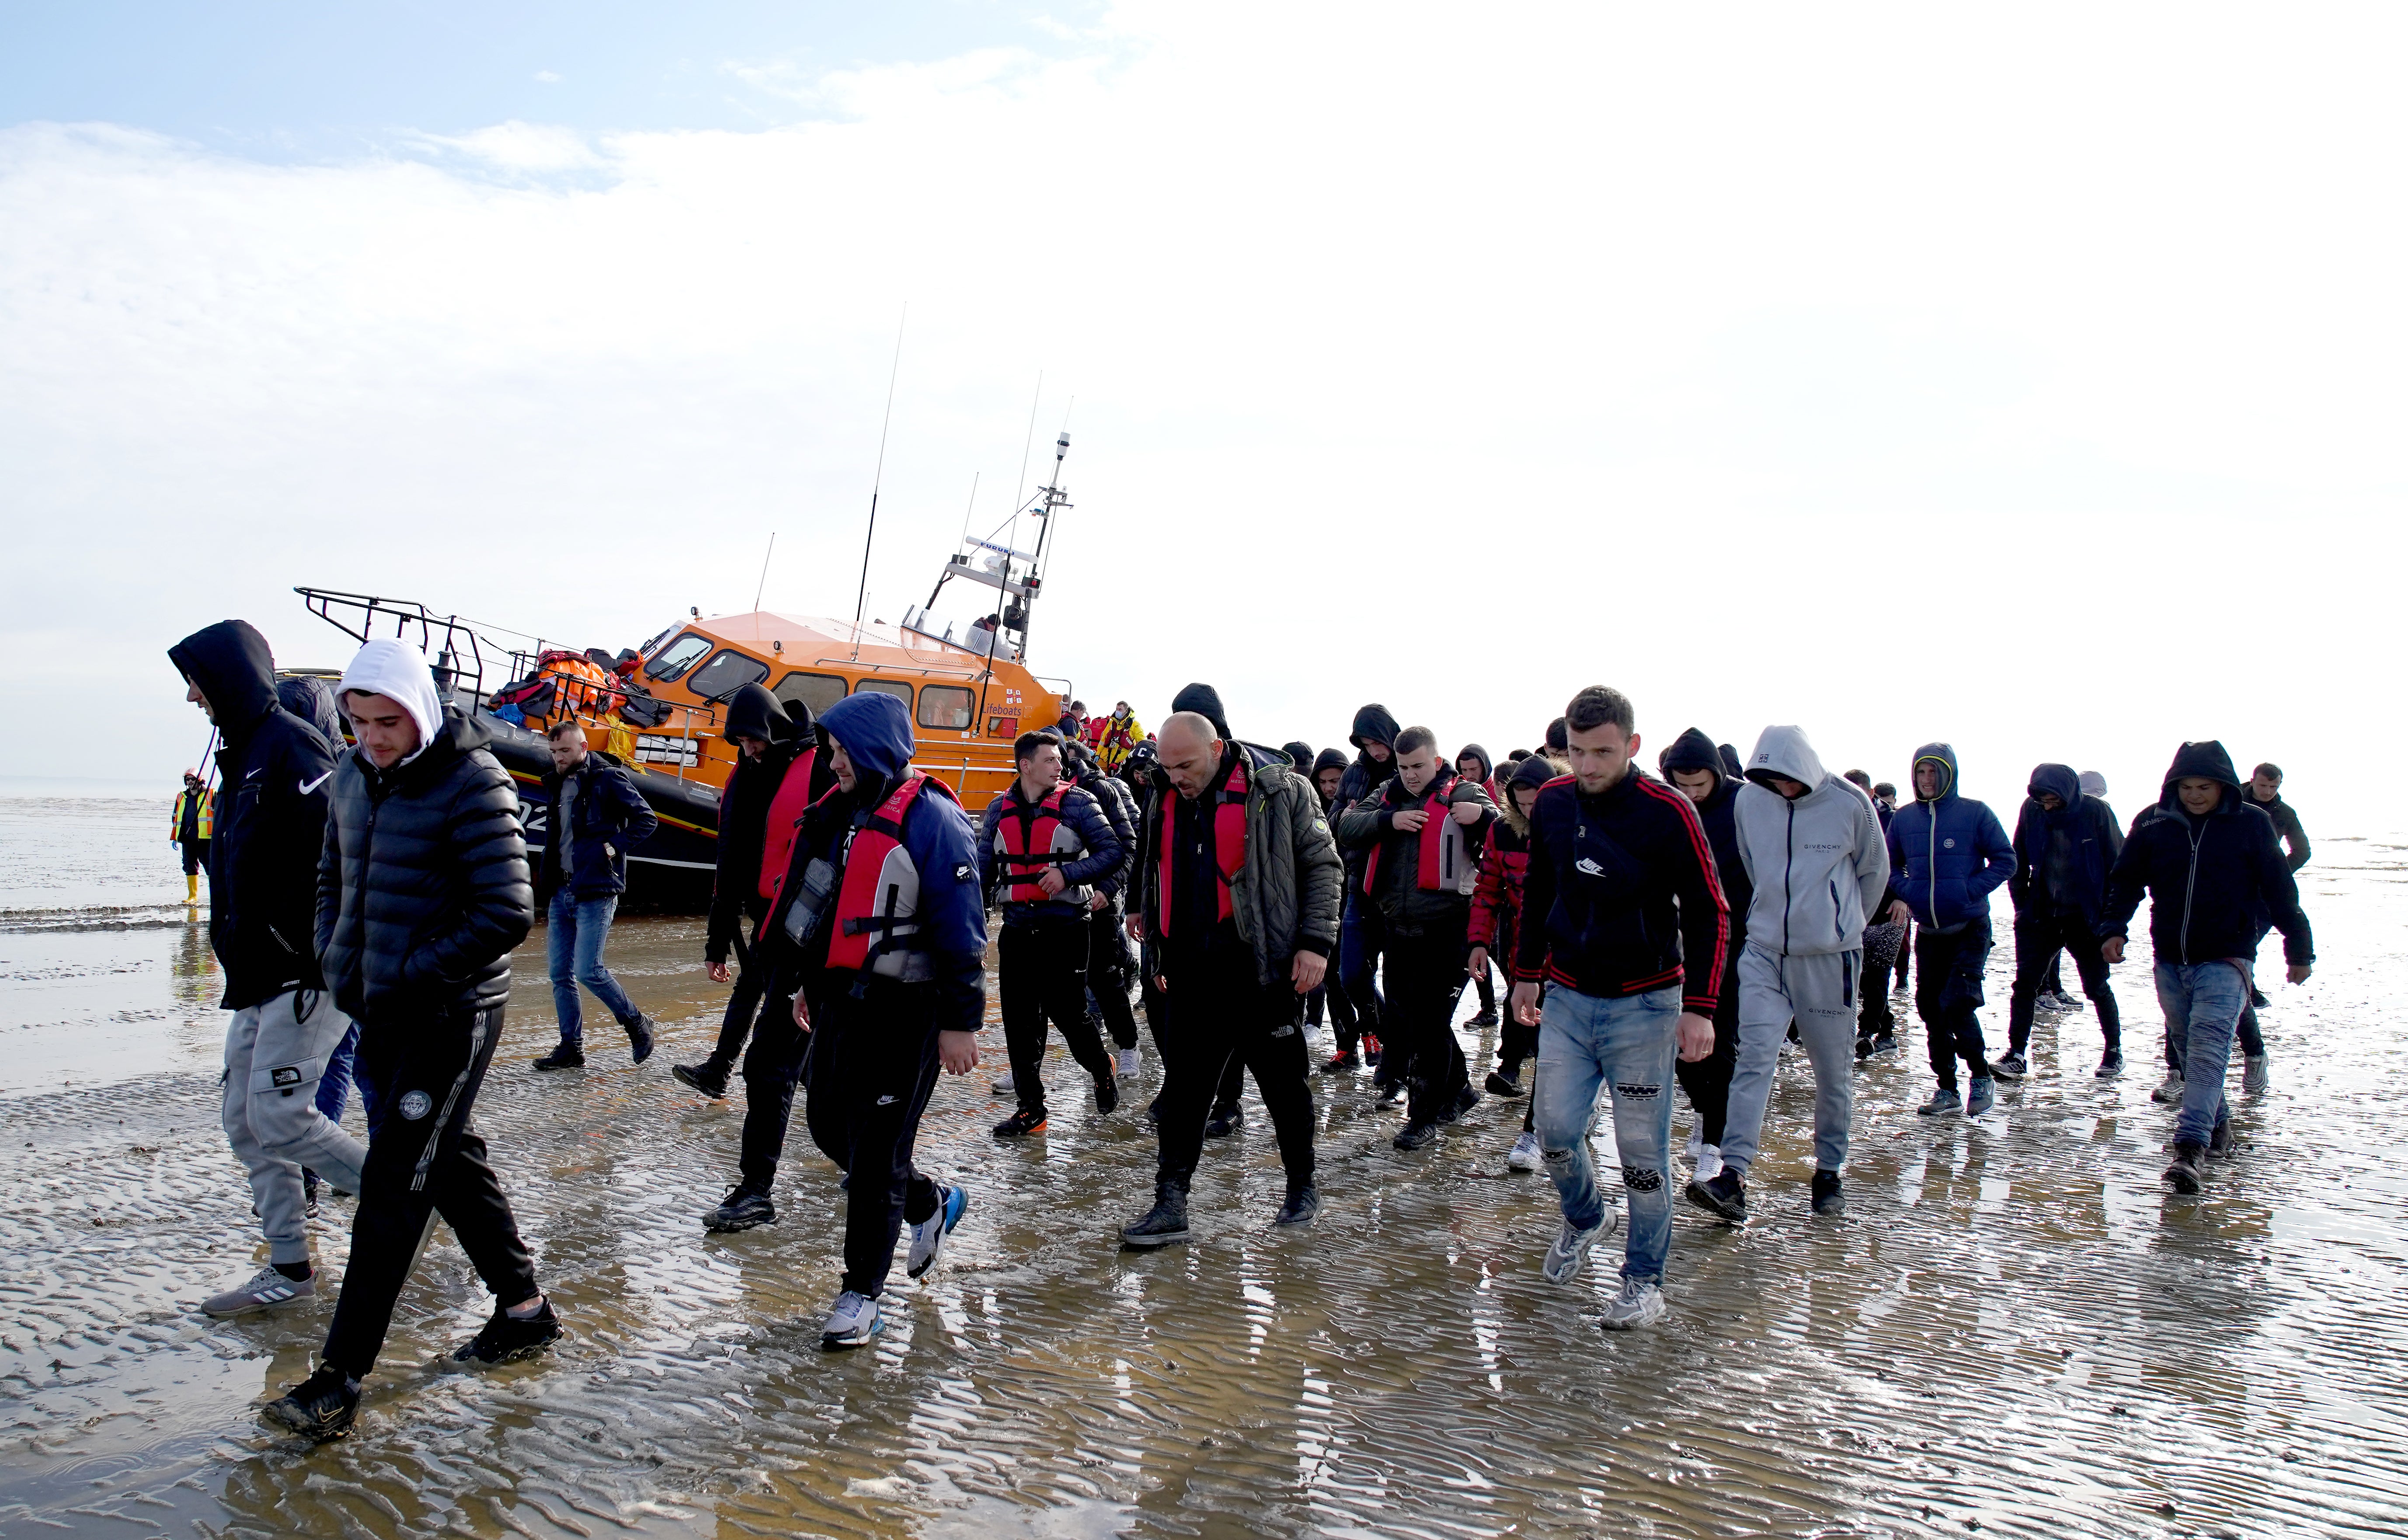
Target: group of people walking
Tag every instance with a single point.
(1654, 933)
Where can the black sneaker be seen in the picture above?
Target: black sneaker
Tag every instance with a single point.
(2219, 1144)
(2256, 997)
(1885, 1043)
(1465, 1100)
(567, 1056)
(1864, 1048)
(1153, 1110)
(1340, 1061)
(1501, 1084)
(2189, 1165)
(309, 1193)
(1020, 1125)
(1723, 1195)
(2011, 1066)
(708, 1077)
(639, 1036)
(1828, 1198)
(507, 1339)
(743, 1210)
(1485, 1018)
(1412, 1136)
(319, 1408)
(2111, 1064)
(1164, 1224)
(1107, 1092)
(1302, 1203)
(1225, 1123)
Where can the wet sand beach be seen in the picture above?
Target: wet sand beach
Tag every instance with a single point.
(2016, 1329)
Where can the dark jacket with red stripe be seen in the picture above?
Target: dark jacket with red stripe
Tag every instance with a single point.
(1621, 892)
(1496, 901)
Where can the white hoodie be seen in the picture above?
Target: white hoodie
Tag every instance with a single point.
(1819, 864)
(399, 671)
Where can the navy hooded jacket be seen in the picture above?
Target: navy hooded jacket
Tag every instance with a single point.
(1949, 853)
(2090, 829)
(1694, 751)
(2214, 881)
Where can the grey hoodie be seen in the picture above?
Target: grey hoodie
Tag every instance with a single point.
(1819, 864)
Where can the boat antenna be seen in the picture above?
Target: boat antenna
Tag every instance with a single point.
(1026, 441)
(763, 586)
(969, 513)
(877, 479)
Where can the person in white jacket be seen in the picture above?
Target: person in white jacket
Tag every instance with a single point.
(1813, 846)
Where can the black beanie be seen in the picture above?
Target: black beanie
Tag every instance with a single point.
(1299, 754)
(1205, 701)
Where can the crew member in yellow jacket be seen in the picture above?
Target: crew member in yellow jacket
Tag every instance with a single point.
(1113, 737)
(191, 825)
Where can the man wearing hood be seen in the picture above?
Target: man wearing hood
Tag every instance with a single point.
(190, 826)
(597, 816)
(1236, 881)
(1108, 955)
(1817, 866)
(1471, 762)
(1421, 837)
(1947, 854)
(880, 937)
(1495, 932)
(1361, 939)
(421, 894)
(2066, 842)
(2213, 870)
(270, 823)
(1694, 766)
(780, 773)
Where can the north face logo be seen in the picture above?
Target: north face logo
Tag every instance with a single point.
(1947, 844)
(286, 1075)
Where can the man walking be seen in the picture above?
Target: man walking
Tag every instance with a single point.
(1237, 905)
(1947, 854)
(1047, 852)
(262, 874)
(2066, 843)
(1814, 851)
(191, 826)
(421, 894)
(2266, 792)
(1694, 766)
(880, 935)
(1421, 836)
(1361, 934)
(597, 816)
(2213, 873)
(1109, 968)
(1624, 921)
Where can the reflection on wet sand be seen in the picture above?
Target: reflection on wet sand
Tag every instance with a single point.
(2015, 1329)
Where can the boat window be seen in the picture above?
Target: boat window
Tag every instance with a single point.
(817, 691)
(725, 674)
(678, 657)
(894, 688)
(945, 707)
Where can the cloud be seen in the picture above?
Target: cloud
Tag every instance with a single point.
(1902, 374)
(547, 77)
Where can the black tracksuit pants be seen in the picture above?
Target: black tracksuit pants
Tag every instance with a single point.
(1219, 1019)
(1708, 1080)
(873, 1063)
(1425, 979)
(424, 1159)
(743, 1004)
(1108, 976)
(1042, 969)
(2040, 933)
(196, 857)
(1949, 994)
(772, 1063)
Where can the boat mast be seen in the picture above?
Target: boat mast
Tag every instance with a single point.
(877, 479)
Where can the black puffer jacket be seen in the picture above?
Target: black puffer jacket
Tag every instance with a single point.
(424, 890)
(271, 817)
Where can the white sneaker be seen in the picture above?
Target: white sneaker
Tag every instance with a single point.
(266, 1289)
(853, 1321)
(1639, 1304)
(1003, 1087)
(2254, 1077)
(2172, 1090)
(1697, 1142)
(1126, 1068)
(1710, 1163)
(928, 1235)
(1564, 1257)
(1524, 1155)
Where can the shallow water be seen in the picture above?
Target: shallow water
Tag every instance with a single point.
(2016, 1330)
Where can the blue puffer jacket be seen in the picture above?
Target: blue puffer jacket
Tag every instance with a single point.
(1947, 854)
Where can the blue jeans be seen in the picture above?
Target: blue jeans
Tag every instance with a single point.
(1361, 936)
(1627, 1047)
(2203, 1004)
(573, 941)
(334, 1086)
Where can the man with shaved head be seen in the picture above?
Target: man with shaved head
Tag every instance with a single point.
(1238, 887)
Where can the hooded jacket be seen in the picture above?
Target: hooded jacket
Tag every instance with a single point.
(423, 889)
(1818, 864)
(1373, 724)
(1299, 756)
(2287, 828)
(1505, 866)
(1487, 776)
(1947, 854)
(273, 770)
(1412, 910)
(2213, 881)
(2093, 842)
(610, 817)
(875, 731)
(1101, 862)
(1694, 751)
(1328, 759)
(1284, 898)
(745, 805)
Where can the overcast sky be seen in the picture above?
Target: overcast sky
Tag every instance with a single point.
(2029, 379)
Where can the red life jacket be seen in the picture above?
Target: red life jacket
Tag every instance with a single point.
(1447, 862)
(1228, 846)
(1029, 839)
(787, 805)
(876, 926)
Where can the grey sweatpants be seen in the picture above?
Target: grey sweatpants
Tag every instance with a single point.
(274, 1053)
(1818, 991)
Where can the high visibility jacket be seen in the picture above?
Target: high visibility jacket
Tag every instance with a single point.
(1114, 739)
(207, 823)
